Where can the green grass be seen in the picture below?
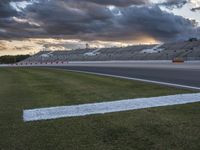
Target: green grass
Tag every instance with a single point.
(174, 127)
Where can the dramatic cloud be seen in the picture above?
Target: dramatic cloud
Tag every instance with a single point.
(174, 3)
(196, 9)
(97, 20)
(30, 25)
(121, 3)
(196, 4)
(89, 20)
(155, 23)
(6, 10)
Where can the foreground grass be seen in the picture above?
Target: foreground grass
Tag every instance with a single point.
(174, 127)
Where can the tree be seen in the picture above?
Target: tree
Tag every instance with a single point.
(7, 59)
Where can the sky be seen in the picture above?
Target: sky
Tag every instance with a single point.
(27, 27)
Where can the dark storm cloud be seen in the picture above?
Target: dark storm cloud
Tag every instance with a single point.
(119, 2)
(122, 3)
(6, 10)
(174, 3)
(16, 29)
(93, 20)
(155, 23)
(195, 9)
(66, 18)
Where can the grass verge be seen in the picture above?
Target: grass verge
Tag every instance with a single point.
(174, 127)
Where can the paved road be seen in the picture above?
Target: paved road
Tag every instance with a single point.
(187, 73)
(189, 77)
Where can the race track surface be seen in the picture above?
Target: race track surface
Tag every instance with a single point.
(183, 76)
(187, 74)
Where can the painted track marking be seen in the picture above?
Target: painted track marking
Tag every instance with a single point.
(107, 107)
(136, 79)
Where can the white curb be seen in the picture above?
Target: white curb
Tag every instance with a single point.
(107, 107)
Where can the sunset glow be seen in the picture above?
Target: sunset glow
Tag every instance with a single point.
(29, 26)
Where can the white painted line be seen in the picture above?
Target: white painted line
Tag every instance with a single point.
(107, 107)
(138, 79)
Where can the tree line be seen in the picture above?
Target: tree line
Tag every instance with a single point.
(8, 59)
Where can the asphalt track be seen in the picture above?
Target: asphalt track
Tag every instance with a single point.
(182, 76)
(186, 74)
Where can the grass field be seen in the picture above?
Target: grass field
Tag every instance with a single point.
(173, 127)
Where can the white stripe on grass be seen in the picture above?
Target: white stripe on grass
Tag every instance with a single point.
(107, 107)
